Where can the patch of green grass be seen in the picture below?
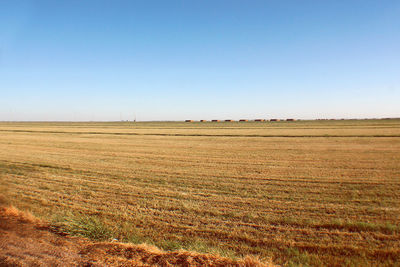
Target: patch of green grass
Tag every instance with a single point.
(169, 245)
(204, 247)
(302, 258)
(95, 228)
(354, 262)
(297, 258)
(90, 227)
(387, 228)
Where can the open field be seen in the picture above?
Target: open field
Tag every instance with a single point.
(308, 192)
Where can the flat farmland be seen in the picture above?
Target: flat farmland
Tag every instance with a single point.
(299, 193)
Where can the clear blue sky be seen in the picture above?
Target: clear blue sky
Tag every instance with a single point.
(175, 60)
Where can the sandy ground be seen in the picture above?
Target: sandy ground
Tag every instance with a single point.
(27, 241)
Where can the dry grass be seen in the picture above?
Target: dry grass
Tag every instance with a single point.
(27, 241)
(311, 193)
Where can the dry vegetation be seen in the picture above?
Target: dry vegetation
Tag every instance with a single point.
(27, 241)
(312, 193)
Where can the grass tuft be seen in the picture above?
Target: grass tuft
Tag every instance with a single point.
(86, 226)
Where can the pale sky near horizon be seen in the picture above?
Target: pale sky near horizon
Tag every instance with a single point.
(212, 59)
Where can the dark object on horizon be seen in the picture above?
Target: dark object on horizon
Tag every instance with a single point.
(229, 120)
(188, 120)
(259, 120)
(274, 120)
(215, 120)
(243, 120)
(290, 119)
(203, 120)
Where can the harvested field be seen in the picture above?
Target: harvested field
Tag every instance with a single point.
(27, 241)
(302, 192)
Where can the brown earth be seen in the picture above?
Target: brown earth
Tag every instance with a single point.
(27, 241)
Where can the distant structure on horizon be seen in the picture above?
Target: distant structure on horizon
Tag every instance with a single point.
(246, 120)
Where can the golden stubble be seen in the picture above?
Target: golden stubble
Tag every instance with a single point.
(311, 192)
